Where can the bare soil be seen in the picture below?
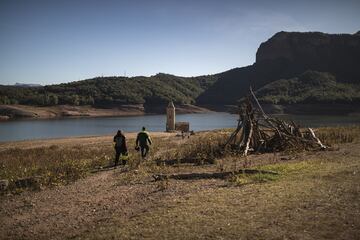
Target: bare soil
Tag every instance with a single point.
(26, 111)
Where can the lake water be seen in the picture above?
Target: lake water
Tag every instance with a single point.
(57, 128)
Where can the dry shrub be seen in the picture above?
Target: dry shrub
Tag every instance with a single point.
(52, 165)
(336, 135)
(204, 148)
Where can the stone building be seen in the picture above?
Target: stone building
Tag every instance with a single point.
(170, 117)
(182, 126)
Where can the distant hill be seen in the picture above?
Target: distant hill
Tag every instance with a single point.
(27, 85)
(111, 91)
(287, 55)
(290, 67)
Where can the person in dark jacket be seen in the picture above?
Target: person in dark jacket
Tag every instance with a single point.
(143, 140)
(120, 147)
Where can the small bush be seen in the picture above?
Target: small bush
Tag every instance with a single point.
(204, 148)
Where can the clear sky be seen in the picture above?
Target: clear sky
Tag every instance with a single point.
(54, 41)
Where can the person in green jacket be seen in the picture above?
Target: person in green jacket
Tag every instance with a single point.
(143, 140)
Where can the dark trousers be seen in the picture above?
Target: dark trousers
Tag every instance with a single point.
(144, 150)
(118, 152)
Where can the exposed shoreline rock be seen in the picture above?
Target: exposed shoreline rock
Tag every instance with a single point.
(335, 53)
(10, 112)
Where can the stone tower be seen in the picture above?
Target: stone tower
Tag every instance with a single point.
(170, 117)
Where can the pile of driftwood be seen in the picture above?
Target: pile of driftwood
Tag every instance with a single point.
(258, 133)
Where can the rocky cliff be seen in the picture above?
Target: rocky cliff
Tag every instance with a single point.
(335, 53)
(287, 55)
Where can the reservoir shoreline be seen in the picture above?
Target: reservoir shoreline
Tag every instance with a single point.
(25, 112)
(14, 112)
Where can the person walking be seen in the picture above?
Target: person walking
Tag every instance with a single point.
(120, 147)
(143, 140)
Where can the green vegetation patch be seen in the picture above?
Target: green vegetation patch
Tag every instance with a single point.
(241, 179)
(309, 87)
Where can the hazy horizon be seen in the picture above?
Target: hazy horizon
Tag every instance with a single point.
(50, 42)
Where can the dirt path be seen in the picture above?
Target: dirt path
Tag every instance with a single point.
(67, 211)
(71, 211)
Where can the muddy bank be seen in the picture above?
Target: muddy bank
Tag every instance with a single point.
(73, 141)
(8, 112)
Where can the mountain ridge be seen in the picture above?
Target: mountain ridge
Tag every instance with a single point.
(286, 55)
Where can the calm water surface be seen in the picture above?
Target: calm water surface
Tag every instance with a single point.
(57, 128)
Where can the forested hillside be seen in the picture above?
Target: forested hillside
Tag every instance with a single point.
(309, 87)
(108, 91)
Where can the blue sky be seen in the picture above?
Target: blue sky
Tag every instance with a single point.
(53, 41)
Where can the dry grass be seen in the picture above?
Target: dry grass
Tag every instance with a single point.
(202, 148)
(63, 164)
(56, 165)
(312, 199)
(53, 165)
(336, 135)
(315, 195)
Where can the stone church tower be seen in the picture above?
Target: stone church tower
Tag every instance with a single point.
(170, 117)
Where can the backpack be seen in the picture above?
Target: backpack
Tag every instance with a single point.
(119, 141)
